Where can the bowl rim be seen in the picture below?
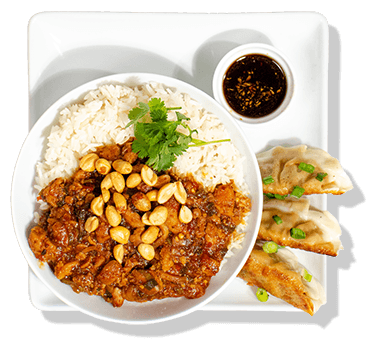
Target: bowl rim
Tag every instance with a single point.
(72, 96)
(254, 48)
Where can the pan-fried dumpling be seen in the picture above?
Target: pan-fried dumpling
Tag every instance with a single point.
(320, 231)
(282, 164)
(281, 275)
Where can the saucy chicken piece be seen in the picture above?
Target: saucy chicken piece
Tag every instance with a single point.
(110, 273)
(173, 223)
(224, 199)
(109, 152)
(127, 153)
(38, 241)
(112, 253)
(54, 192)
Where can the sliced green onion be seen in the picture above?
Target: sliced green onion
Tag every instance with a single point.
(277, 219)
(297, 233)
(306, 167)
(320, 176)
(308, 277)
(297, 192)
(268, 180)
(276, 196)
(270, 247)
(262, 295)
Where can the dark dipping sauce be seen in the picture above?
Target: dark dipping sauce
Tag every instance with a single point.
(254, 85)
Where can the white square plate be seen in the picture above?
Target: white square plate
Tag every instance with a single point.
(68, 49)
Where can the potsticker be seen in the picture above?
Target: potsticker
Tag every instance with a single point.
(312, 169)
(281, 275)
(294, 223)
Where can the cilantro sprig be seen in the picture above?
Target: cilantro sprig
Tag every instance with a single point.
(157, 138)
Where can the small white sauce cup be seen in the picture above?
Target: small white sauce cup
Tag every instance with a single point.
(247, 49)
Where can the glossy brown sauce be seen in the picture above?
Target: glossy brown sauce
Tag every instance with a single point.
(254, 85)
(186, 255)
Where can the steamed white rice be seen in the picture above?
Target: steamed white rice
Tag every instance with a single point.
(101, 118)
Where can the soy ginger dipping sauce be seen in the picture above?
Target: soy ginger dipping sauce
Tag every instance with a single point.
(254, 85)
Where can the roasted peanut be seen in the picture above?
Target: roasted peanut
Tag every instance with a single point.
(67, 269)
(105, 194)
(150, 235)
(120, 234)
(148, 176)
(133, 180)
(103, 166)
(118, 181)
(120, 202)
(107, 182)
(180, 193)
(162, 180)
(87, 162)
(141, 201)
(152, 195)
(147, 251)
(113, 216)
(122, 167)
(185, 214)
(166, 192)
(91, 224)
(145, 218)
(119, 252)
(158, 216)
(97, 206)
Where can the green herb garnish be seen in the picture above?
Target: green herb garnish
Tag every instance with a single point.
(158, 139)
(308, 277)
(297, 192)
(320, 176)
(306, 167)
(297, 233)
(262, 295)
(274, 195)
(270, 247)
(268, 180)
(277, 219)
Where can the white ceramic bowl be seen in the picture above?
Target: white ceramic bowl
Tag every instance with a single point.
(253, 48)
(23, 203)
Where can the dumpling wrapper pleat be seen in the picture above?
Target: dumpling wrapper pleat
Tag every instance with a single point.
(282, 164)
(281, 275)
(322, 230)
